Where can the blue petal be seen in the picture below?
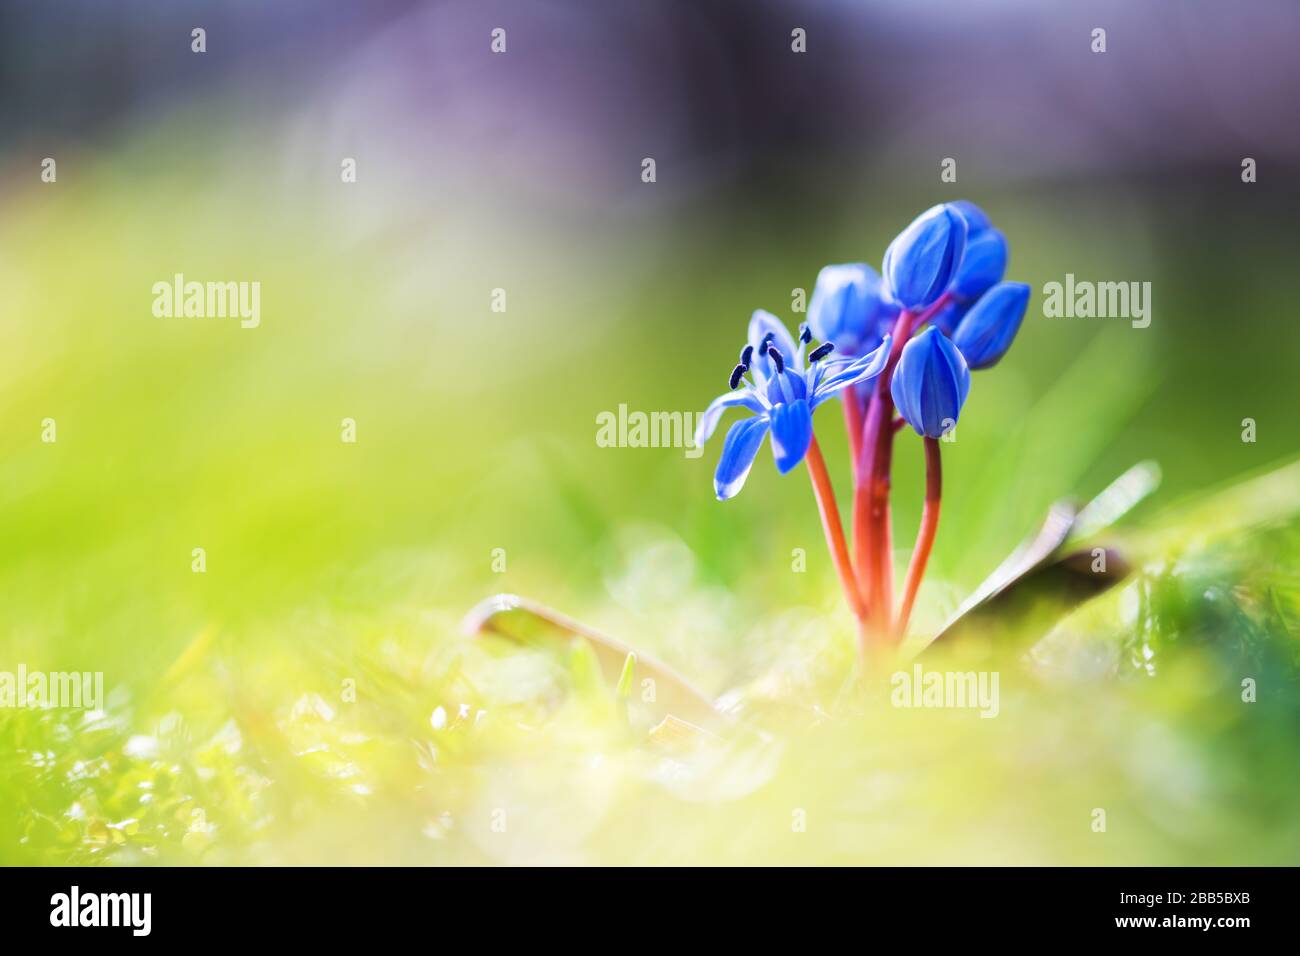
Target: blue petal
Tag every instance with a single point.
(977, 219)
(921, 262)
(795, 387)
(949, 316)
(848, 308)
(856, 372)
(738, 451)
(760, 324)
(709, 418)
(904, 386)
(983, 264)
(987, 331)
(791, 434)
(930, 384)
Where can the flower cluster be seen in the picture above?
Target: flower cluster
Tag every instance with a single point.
(906, 340)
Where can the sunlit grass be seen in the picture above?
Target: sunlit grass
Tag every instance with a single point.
(311, 698)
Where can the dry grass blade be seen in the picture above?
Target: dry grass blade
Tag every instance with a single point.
(527, 622)
(1042, 580)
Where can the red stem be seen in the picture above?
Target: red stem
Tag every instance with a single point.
(873, 547)
(871, 498)
(853, 411)
(831, 524)
(863, 542)
(924, 536)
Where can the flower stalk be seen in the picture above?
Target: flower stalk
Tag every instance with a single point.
(924, 536)
(853, 413)
(872, 533)
(834, 528)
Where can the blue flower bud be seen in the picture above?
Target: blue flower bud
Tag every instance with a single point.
(921, 262)
(985, 334)
(947, 318)
(848, 308)
(983, 264)
(931, 382)
(977, 219)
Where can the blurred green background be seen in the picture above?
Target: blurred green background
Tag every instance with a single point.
(228, 736)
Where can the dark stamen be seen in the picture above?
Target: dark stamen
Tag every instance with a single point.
(767, 340)
(736, 373)
(805, 333)
(746, 356)
(775, 354)
(821, 351)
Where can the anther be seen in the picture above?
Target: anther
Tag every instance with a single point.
(736, 373)
(821, 351)
(746, 356)
(777, 358)
(805, 333)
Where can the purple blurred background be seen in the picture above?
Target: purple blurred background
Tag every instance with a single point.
(1010, 86)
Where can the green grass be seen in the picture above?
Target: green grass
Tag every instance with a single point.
(231, 732)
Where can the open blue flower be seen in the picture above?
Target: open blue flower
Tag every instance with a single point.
(782, 387)
(930, 383)
(848, 307)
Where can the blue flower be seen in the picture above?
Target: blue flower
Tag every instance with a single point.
(848, 308)
(986, 332)
(984, 263)
(923, 260)
(930, 384)
(977, 219)
(783, 392)
(949, 315)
